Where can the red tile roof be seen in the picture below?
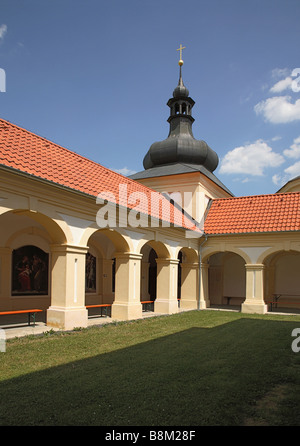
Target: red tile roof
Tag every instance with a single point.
(22, 150)
(254, 214)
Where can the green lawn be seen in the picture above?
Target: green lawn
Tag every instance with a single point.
(191, 369)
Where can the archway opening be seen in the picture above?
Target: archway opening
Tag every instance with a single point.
(151, 252)
(26, 264)
(282, 281)
(226, 280)
(101, 272)
(148, 277)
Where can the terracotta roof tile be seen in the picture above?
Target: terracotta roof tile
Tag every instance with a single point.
(23, 150)
(252, 214)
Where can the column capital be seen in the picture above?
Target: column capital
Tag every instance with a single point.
(67, 248)
(189, 265)
(5, 250)
(128, 256)
(167, 261)
(254, 266)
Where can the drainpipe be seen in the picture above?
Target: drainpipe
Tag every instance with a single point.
(200, 261)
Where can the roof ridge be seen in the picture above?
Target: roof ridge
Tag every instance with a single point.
(77, 154)
(71, 175)
(275, 194)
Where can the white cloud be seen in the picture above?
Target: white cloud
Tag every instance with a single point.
(279, 109)
(279, 180)
(294, 150)
(3, 30)
(290, 172)
(124, 171)
(293, 170)
(277, 73)
(250, 159)
(283, 84)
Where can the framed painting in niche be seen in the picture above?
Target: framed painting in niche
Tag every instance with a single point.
(90, 273)
(30, 266)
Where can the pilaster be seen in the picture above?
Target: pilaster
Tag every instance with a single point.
(127, 304)
(204, 301)
(189, 285)
(167, 286)
(254, 302)
(67, 309)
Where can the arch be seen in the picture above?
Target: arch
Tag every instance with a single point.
(57, 233)
(189, 255)
(151, 251)
(267, 255)
(160, 248)
(187, 285)
(208, 252)
(120, 241)
(36, 231)
(148, 273)
(226, 278)
(108, 243)
(40, 238)
(282, 279)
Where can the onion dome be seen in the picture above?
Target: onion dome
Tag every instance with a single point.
(181, 146)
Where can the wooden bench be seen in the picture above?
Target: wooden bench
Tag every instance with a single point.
(274, 302)
(234, 297)
(105, 306)
(31, 313)
(147, 304)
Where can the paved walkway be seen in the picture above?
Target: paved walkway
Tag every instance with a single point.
(16, 330)
(13, 329)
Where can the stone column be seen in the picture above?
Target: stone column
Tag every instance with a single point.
(167, 285)
(127, 304)
(67, 309)
(204, 292)
(189, 285)
(254, 302)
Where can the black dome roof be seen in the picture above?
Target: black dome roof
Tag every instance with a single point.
(181, 146)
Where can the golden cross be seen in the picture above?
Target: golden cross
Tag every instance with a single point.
(180, 49)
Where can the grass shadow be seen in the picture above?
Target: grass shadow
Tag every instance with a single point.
(195, 377)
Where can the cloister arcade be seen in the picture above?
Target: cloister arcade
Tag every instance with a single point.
(42, 267)
(59, 261)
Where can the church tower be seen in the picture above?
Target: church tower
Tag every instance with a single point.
(181, 165)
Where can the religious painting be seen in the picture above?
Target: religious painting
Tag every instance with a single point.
(29, 271)
(90, 273)
(152, 278)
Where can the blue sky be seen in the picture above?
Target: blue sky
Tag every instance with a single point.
(95, 76)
